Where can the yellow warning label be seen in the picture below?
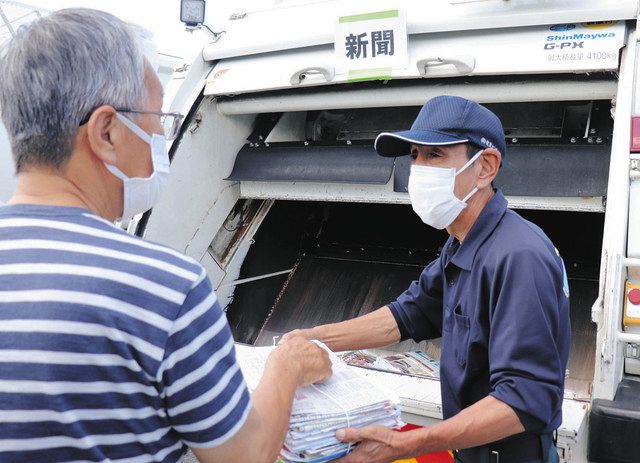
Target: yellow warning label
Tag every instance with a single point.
(632, 304)
(599, 24)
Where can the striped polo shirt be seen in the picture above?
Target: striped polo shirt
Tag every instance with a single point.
(112, 348)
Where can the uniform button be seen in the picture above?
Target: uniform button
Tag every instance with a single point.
(451, 282)
(634, 296)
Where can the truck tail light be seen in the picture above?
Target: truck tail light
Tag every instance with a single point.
(635, 134)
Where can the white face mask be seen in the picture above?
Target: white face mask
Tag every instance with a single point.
(141, 194)
(431, 193)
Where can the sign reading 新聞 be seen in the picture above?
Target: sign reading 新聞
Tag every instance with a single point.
(370, 45)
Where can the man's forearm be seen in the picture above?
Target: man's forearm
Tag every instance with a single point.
(376, 329)
(272, 401)
(485, 421)
(260, 438)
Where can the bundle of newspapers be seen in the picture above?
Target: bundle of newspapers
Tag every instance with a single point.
(346, 399)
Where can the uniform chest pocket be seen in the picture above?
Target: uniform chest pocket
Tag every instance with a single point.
(460, 334)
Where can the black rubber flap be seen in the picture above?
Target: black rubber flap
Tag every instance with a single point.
(614, 426)
(401, 174)
(332, 164)
(542, 170)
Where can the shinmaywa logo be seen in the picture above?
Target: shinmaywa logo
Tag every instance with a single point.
(579, 36)
(562, 27)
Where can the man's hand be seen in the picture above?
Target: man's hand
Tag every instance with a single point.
(302, 333)
(294, 363)
(306, 359)
(377, 445)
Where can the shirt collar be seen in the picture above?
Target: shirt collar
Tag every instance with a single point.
(480, 231)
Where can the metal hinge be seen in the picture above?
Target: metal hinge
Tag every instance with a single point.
(195, 123)
(634, 169)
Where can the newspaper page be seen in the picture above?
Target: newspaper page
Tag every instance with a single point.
(415, 363)
(345, 389)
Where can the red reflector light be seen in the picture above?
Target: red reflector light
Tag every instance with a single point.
(634, 296)
(635, 134)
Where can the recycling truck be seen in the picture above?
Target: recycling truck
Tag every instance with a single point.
(276, 190)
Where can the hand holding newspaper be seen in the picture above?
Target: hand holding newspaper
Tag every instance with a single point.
(346, 399)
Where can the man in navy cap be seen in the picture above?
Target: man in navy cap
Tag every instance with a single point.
(497, 295)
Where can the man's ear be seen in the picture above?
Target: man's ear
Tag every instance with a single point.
(103, 134)
(489, 167)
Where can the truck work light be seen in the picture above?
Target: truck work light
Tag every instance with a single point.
(192, 12)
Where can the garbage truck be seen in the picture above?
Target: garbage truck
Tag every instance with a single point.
(277, 191)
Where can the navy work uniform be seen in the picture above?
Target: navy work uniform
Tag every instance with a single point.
(500, 301)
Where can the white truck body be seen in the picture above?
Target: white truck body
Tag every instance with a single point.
(271, 88)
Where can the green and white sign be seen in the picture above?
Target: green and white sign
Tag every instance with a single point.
(368, 46)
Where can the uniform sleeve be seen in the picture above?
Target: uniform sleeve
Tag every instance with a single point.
(206, 398)
(418, 311)
(526, 364)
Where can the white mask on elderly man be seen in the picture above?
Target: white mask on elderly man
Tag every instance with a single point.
(142, 193)
(431, 193)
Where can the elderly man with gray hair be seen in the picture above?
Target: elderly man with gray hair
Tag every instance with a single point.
(112, 348)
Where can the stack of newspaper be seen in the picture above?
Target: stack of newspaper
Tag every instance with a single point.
(406, 363)
(346, 399)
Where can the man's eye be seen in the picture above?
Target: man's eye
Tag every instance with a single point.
(433, 154)
(414, 156)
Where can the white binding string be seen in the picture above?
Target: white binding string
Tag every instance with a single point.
(344, 410)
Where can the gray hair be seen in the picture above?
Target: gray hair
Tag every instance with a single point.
(59, 69)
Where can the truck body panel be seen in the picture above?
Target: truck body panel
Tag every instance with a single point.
(291, 242)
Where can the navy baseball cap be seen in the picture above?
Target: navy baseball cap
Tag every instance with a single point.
(446, 120)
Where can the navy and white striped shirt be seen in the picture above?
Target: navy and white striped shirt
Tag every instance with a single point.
(112, 348)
